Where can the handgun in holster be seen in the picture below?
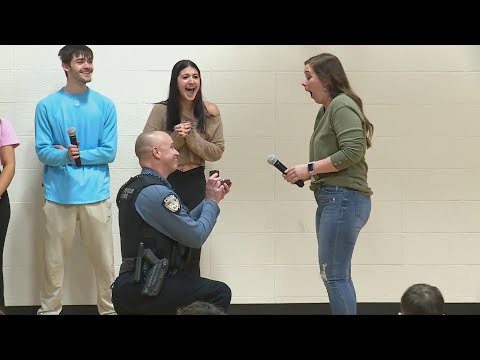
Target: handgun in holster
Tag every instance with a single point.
(155, 274)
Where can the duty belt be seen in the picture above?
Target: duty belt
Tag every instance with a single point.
(128, 265)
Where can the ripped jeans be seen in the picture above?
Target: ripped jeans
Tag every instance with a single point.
(341, 214)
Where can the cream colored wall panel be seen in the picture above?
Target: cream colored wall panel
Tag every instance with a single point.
(423, 249)
(385, 217)
(467, 89)
(419, 58)
(22, 285)
(248, 184)
(21, 251)
(207, 87)
(404, 87)
(150, 57)
(26, 221)
(7, 111)
(115, 226)
(386, 184)
(292, 150)
(442, 248)
(296, 249)
(379, 88)
(386, 153)
(37, 57)
(7, 58)
(26, 186)
(438, 153)
(295, 216)
(385, 283)
(245, 217)
(284, 191)
(7, 81)
(125, 158)
(46, 82)
(458, 120)
(136, 86)
(117, 250)
(454, 281)
(248, 120)
(440, 184)
(243, 87)
(22, 116)
(466, 119)
(441, 216)
(246, 153)
(25, 155)
(132, 119)
(287, 281)
(206, 258)
(247, 281)
(242, 249)
(388, 120)
(295, 120)
(380, 249)
(463, 299)
(119, 176)
(255, 58)
(289, 89)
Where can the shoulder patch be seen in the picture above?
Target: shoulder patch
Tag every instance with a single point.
(172, 203)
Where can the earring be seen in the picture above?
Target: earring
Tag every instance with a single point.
(325, 89)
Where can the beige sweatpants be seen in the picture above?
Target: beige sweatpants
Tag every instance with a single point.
(96, 233)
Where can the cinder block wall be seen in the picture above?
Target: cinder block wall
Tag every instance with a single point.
(423, 100)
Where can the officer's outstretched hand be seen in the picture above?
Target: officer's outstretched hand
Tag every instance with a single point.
(216, 188)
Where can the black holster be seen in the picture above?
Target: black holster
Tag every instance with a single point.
(155, 274)
(155, 269)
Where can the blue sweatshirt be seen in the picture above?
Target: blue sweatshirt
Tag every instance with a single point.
(95, 118)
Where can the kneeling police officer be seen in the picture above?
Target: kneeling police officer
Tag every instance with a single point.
(157, 231)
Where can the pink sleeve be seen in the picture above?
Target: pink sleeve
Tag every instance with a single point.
(7, 134)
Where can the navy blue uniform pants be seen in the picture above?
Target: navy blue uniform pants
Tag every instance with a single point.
(178, 290)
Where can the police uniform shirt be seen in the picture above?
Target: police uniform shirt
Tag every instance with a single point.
(162, 209)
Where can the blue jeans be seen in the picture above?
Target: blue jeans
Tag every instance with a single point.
(341, 214)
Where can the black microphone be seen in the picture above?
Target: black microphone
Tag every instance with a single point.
(272, 160)
(72, 132)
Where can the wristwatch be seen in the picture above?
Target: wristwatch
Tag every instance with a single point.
(311, 168)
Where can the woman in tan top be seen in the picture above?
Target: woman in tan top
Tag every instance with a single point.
(196, 128)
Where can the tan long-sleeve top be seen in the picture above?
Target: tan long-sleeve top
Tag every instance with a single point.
(195, 147)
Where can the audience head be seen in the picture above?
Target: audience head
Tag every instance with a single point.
(200, 308)
(422, 299)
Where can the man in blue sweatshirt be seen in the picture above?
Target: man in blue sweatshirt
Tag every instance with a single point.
(76, 139)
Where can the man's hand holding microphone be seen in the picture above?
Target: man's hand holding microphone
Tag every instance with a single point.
(73, 148)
